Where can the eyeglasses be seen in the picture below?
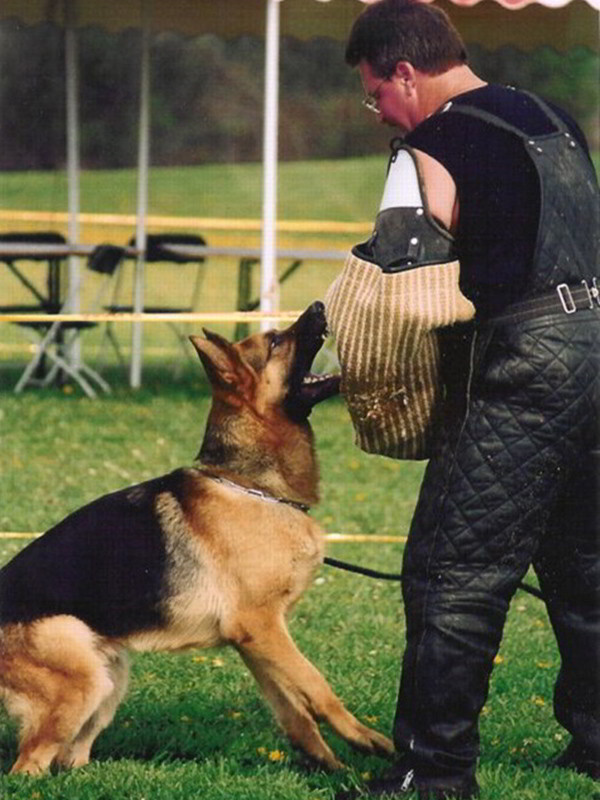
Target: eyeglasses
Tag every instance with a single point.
(371, 99)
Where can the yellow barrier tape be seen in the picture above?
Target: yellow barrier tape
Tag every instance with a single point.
(364, 537)
(184, 316)
(330, 537)
(205, 223)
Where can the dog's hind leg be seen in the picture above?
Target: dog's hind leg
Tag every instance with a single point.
(299, 694)
(77, 752)
(54, 679)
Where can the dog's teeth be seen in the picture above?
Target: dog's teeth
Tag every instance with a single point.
(315, 378)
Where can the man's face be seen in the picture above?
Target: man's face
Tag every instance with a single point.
(395, 105)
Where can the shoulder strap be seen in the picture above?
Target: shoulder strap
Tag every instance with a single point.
(498, 122)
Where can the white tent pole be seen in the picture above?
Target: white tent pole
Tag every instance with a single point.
(269, 300)
(135, 377)
(72, 126)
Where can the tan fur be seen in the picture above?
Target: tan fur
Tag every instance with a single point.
(56, 675)
(237, 563)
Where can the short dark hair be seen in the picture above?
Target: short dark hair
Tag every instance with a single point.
(390, 31)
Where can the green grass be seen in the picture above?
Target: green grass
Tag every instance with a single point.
(193, 724)
(348, 189)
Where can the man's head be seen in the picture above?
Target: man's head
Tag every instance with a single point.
(390, 31)
(405, 49)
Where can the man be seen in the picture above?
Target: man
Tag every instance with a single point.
(513, 478)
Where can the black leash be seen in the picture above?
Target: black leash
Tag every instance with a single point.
(393, 576)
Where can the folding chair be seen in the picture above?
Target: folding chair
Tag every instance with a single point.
(48, 299)
(48, 302)
(157, 251)
(58, 348)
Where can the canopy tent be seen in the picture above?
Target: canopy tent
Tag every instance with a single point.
(560, 23)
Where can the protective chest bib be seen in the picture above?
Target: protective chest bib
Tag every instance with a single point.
(568, 238)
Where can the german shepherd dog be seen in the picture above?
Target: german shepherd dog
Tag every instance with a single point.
(208, 555)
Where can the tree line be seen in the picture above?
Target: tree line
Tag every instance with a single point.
(207, 97)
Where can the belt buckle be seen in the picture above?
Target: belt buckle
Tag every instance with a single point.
(566, 298)
(593, 292)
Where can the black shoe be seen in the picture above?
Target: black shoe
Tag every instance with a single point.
(580, 759)
(401, 782)
(398, 782)
(463, 788)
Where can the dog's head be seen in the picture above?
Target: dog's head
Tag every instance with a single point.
(270, 371)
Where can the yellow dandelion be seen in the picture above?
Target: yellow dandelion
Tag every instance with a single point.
(234, 714)
(276, 755)
(485, 711)
(199, 659)
(360, 497)
(262, 751)
(538, 701)
(544, 664)
(67, 389)
(366, 776)
(370, 719)
(217, 662)
(499, 660)
(354, 464)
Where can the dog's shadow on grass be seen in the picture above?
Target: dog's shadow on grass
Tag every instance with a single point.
(178, 731)
(184, 729)
(166, 731)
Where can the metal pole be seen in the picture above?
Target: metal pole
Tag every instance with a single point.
(135, 377)
(269, 289)
(73, 165)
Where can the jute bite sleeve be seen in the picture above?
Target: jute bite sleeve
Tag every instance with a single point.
(384, 319)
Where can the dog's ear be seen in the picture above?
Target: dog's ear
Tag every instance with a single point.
(221, 360)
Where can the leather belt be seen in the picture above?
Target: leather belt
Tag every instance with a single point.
(564, 299)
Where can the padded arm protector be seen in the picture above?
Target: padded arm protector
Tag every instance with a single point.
(384, 308)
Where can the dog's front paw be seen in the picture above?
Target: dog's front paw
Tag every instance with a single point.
(381, 744)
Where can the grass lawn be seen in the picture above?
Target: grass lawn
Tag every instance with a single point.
(193, 724)
(347, 190)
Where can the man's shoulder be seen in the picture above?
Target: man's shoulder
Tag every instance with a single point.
(522, 110)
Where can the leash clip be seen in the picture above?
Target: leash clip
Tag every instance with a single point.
(566, 298)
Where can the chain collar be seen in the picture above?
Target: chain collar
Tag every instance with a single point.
(258, 492)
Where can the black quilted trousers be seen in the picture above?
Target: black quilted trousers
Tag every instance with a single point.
(515, 482)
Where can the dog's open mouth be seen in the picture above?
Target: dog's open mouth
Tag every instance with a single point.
(306, 388)
(315, 388)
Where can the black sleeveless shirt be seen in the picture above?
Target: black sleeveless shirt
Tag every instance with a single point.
(497, 186)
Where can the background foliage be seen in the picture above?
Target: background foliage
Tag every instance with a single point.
(207, 97)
